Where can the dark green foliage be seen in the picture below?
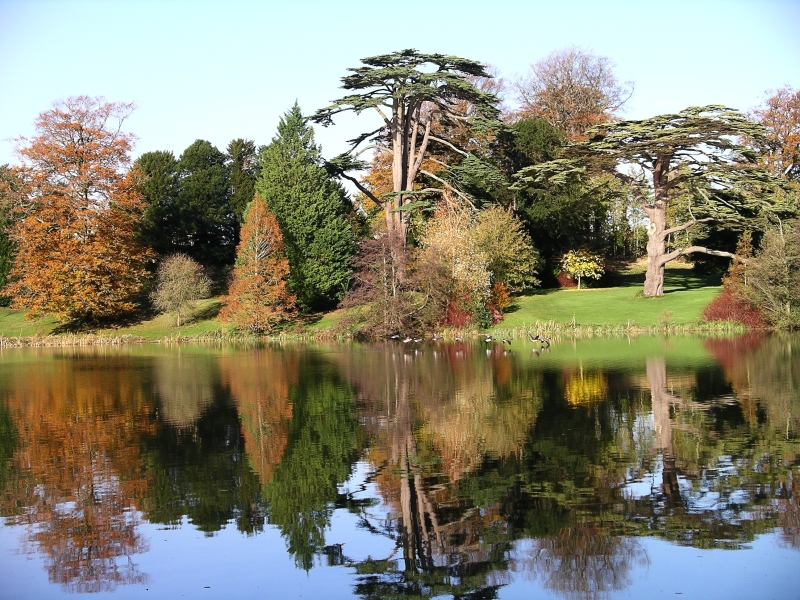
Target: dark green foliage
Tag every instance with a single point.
(312, 210)
(189, 205)
(534, 141)
(6, 222)
(319, 455)
(160, 185)
(208, 225)
(202, 472)
(560, 217)
(244, 169)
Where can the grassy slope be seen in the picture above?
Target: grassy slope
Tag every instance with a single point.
(686, 295)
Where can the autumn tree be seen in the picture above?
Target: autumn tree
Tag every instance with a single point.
(482, 253)
(313, 212)
(780, 148)
(692, 155)
(77, 225)
(580, 263)
(415, 95)
(258, 298)
(572, 89)
(180, 283)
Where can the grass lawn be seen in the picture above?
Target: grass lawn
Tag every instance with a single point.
(685, 296)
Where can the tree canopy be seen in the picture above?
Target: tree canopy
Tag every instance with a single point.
(418, 98)
(312, 210)
(79, 215)
(573, 90)
(693, 155)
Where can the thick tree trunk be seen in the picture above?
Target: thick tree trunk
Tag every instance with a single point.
(656, 249)
(657, 255)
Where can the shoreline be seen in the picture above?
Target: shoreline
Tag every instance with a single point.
(551, 329)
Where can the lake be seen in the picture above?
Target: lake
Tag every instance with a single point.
(640, 467)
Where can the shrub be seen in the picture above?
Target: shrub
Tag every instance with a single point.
(180, 282)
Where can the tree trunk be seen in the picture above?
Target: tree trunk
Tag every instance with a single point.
(656, 249)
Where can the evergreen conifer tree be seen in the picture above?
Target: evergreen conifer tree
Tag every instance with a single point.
(257, 298)
(311, 209)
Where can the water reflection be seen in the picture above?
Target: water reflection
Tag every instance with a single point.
(78, 469)
(479, 465)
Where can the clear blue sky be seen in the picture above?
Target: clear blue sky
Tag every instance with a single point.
(222, 70)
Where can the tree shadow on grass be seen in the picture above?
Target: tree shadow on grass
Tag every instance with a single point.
(680, 280)
(206, 313)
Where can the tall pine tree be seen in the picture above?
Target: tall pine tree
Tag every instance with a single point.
(311, 209)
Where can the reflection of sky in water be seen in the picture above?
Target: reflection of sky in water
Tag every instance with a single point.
(182, 562)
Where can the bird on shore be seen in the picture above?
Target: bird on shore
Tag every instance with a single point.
(458, 338)
(488, 339)
(407, 339)
(507, 341)
(394, 336)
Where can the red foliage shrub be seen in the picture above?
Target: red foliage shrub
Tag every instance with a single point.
(497, 316)
(726, 307)
(457, 314)
(565, 281)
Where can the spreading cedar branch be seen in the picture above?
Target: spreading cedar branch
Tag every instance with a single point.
(78, 257)
(694, 153)
(416, 96)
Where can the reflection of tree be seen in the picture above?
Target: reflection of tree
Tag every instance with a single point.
(259, 382)
(764, 372)
(435, 416)
(765, 375)
(202, 472)
(320, 451)
(789, 509)
(184, 385)
(584, 561)
(717, 460)
(79, 471)
(585, 387)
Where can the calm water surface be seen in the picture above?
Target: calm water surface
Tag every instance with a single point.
(635, 468)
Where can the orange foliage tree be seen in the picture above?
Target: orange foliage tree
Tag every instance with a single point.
(780, 151)
(79, 214)
(257, 297)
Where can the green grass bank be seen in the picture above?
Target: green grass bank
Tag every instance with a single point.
(573, 311)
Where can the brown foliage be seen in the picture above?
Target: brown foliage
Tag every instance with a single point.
(258, 298)
(75, 234)
(260, 382)
(573, 90)
(780, 114)
(81, 471)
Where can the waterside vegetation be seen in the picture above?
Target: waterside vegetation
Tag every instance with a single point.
(467, 215)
